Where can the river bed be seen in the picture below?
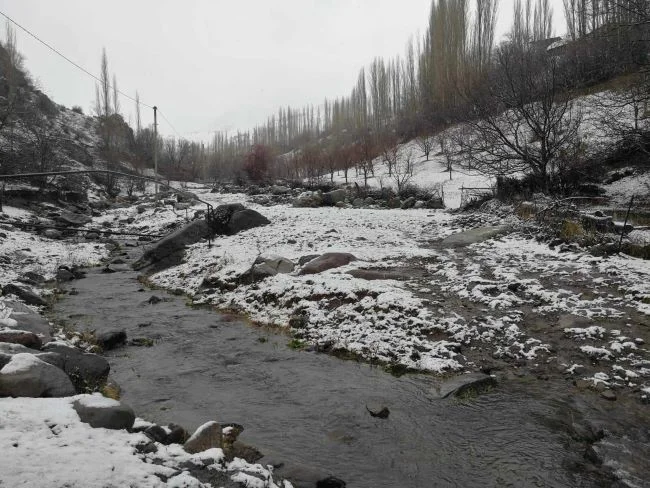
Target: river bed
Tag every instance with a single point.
(308, 408)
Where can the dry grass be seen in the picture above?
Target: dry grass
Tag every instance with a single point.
(571, 230)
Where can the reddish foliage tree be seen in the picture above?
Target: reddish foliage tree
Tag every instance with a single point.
(257, 163)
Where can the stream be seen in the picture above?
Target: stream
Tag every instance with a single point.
(309, 409)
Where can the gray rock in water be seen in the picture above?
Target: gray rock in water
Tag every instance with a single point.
(246, 219)
(327, 261)
(25, 375)
(471, 384)
(205, 437)
(243, 451)
(110, 339)
(27, 296)
(102, 412)
(63, 275)
(85, 369)
(22, 337)
(303, 476)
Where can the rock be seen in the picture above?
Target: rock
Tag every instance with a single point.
(327, 261)
(73, 219)
(333, 197)
(177, 434)
(141, 209)
(85, 369)
(4, 359)
(22, 337)
(358, 202)
(52, 234)
(305, 259)
(419, 204)
(308, 199)
(156, 433)
(471, 384)
(169, 248)
(599, 223)
(369, 201)
(381, 414)
(25, 375)
(585, 432)
(408, 203)
(243, 451)
(205, 437)
(186, 196)
(63, 275)
(27, 296)
(303, 476)
(341, 205)
(279, 264)
(107, 270)
(435, 203)
(110, 339)
(393, 202)
(474, 236)
(246, 219)
(34, 277)
(257, 273)
(153, 300)
(102, 412)
(608, 395)
(51, 358)
(280, 190)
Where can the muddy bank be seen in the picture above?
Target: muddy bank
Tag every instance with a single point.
(307, 408)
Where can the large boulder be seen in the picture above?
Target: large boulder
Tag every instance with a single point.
(73, 219)
(22, 337)
(206, 437)
(246, 219)
(170, 248)
(333, 197)
(308, 199)
(278, 264)
(327, 261)
(27, 319)
(27, 296)
(220, 217)
(102, 412)
(84, 369)
(25, 375)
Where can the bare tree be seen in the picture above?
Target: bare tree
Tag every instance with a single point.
(403, 170)
(425, 143)
(525, 119)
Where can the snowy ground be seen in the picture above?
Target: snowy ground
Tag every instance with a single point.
(514, 295)
(44, 444)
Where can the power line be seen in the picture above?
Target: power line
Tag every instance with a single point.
(84, 70)
(53, 49)
(169, 123)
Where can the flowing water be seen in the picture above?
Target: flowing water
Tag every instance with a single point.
(309, 408)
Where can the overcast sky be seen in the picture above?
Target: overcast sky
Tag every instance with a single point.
(216, 64)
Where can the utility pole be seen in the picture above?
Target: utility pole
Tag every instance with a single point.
(155, 146)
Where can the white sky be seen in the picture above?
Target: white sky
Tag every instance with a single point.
(217, 64)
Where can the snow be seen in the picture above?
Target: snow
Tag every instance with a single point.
(43, 443)
(97, 400)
